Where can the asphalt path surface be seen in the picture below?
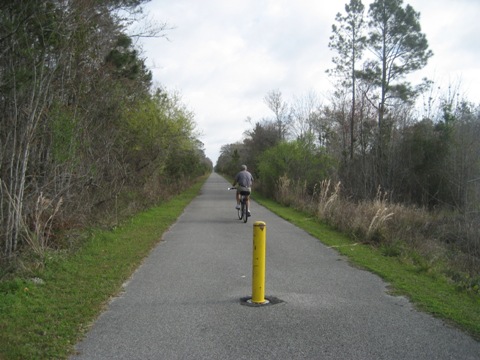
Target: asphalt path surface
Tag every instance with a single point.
(186, 301)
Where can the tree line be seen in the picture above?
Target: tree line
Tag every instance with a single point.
(377, 130)
(84, 135)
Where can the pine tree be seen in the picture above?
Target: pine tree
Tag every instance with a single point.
(399, 48)
(348, 40)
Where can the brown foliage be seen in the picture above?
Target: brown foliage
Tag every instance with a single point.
(438, 237)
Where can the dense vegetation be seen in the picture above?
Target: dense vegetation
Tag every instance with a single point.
(45, 314)
(84, 136)
(391, 163)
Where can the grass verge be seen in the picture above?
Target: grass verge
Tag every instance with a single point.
(428, 290)
(45, 316)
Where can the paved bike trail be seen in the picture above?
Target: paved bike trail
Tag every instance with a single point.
(185, 301)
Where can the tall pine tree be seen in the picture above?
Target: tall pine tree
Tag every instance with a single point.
(349, 42)
(399, 48)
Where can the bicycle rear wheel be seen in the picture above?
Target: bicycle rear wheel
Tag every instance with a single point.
(245, 210)
(240, 208)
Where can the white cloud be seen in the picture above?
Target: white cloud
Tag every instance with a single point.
(224, 56)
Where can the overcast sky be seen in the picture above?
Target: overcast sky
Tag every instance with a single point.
(224, 56)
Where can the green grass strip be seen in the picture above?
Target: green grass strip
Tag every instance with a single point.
(428, 291)
(45, 321)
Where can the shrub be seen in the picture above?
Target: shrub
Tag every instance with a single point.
(427, 239)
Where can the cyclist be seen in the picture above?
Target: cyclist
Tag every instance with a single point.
(244, 180)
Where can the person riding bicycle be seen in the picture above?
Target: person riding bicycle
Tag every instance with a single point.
(244, 180)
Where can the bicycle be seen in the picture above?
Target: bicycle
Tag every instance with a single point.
(243, 211)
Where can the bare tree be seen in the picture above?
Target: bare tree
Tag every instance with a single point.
(304, 113)
(279, 107)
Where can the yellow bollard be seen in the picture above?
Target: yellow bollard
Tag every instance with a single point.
(258, 271)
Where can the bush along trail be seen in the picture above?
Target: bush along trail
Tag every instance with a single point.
(45, 314)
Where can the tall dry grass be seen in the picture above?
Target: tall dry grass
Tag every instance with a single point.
(438, 239)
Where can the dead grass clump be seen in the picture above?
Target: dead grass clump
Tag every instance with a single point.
(39, 232)
(378, 223)
(367, 220)
(292, 193)
(429, 240)
(284, 193)
(328, 199)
